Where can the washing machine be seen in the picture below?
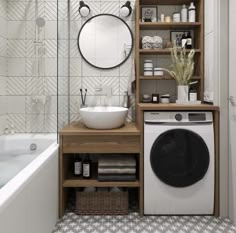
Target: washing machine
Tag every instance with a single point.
(179, 163)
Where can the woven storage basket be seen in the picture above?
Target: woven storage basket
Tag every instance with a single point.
(102, 203)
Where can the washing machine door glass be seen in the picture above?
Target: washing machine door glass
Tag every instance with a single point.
(179, 157)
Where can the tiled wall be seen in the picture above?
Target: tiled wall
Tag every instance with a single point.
(3, 60)
(82, 75)
(26, 87)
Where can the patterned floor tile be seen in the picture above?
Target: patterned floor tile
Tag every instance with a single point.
(132, 223)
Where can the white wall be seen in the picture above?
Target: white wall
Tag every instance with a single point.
(216, 81)
(3, 62)
(232, 91)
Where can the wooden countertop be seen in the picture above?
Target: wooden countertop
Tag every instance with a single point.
(78, 128)
(177, 107)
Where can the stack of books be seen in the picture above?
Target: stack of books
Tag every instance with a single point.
(117, 168)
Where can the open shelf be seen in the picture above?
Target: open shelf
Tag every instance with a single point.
(73, 183)
(163, 25)
(165, 2)
(162, 51)
(163, 78)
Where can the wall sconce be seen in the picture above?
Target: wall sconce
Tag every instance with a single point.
(84, 9)
(126, 9)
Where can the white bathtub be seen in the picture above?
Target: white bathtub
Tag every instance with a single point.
(29, 180)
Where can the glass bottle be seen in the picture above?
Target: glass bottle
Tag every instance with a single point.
(87, 168)
(77, 165)
(189, 41)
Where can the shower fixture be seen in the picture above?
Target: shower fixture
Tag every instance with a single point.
(40, 22)
(126, 9)
(84, 9)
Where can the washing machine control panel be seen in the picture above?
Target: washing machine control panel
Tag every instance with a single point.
(178, 117)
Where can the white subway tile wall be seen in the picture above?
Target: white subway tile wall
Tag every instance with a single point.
(83, 75)
(3, 62)
(31, 65)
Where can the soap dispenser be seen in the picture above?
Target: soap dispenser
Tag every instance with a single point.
(184, 14)
(192, 13)
(126, 100)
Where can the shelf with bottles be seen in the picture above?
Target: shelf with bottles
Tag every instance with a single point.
(75, 172)
(168, 26)
(164, 13)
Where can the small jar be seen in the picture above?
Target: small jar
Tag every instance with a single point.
(158, 72)
(162, 18)
(146, 98)
(167, 19)
(176, 17)
(148, 64)
(165, 99)
(193, 95)
(148, 72)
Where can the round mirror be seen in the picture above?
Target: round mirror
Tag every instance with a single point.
(105, 41)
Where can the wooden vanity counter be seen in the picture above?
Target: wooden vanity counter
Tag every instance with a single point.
(76, 138)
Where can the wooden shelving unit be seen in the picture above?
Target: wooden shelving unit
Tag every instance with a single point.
(163, 78)
(76, 138)
(162, 51)
(197, 28)
(161, 26)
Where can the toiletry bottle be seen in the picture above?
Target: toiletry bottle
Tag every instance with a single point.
(183, 41)
(87, 168)
(189, 41)
(192, 13)
(126, 100)
(6, 131)
(77, 165)
(192, 94)
(184, 14)
(12, 130)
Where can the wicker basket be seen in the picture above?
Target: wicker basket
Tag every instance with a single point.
(102, 203)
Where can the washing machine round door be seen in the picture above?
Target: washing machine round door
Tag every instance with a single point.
(179, 157)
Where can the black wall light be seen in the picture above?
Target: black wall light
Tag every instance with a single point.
(126, 9)
(84, 9)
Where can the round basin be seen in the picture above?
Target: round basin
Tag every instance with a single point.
(103, 117)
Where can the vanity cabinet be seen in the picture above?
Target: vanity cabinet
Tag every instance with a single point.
(76, 138)
(161, 56)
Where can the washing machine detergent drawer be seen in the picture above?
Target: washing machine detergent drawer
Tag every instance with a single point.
(179, 169)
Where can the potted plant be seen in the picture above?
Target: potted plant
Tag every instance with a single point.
(181, 70)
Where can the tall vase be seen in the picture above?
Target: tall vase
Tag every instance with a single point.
(182, 93)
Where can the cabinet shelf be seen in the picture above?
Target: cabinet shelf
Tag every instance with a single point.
(162, 51)
(167, 26)
(74, 183)
(164, 78)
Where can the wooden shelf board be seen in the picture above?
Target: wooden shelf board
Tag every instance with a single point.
(78, 128)
(162, 51)
(94, 183)
(163, 25)
(180, 107)
(163, 78)
(166, 2)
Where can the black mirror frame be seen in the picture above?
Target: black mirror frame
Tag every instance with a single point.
(132, 40)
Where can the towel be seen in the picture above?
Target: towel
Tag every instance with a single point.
(116, 177)
(116, 162)
(115, 170)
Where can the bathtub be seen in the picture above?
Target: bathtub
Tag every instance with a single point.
(28, 183)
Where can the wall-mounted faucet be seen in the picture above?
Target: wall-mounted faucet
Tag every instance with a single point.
(106, 92)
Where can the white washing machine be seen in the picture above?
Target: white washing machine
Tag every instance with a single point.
(179, 163)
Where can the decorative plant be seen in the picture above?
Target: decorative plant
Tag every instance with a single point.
(182, 67)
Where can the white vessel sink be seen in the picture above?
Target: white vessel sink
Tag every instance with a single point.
(103, 117)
